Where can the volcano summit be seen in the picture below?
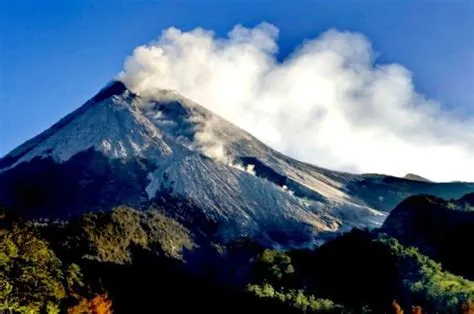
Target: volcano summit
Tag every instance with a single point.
(120, 148)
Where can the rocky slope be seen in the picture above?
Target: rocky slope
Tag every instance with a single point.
(120, 148)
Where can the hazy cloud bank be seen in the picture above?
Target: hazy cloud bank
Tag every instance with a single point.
(327, 103)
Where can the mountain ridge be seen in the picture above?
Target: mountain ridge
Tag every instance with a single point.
(120, 148)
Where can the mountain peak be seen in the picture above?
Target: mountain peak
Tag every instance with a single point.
(110, 122)
(415, 177)
(122, 148)
(114, 88)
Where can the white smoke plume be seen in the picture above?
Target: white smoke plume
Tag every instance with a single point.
(327, 103)
(212, 146)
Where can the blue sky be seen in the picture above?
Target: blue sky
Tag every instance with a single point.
(54, 55)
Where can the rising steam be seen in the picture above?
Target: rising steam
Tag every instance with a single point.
(327, 103)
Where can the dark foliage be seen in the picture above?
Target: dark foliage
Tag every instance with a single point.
(165, 256)
(440, 229)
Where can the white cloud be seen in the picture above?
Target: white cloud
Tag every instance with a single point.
(327, 103)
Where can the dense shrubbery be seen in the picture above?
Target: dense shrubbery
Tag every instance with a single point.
(361, 271)
(32, 278)
(438, 228)
(39, 268)
(108, 236)
(138, 257)
(275, 273)
(427, 283)
(298, 299)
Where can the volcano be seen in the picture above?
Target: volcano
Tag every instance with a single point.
(120, 148)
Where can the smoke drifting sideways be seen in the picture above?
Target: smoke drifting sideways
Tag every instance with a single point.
(328, 103)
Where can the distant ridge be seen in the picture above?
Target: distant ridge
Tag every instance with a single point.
(415, 177)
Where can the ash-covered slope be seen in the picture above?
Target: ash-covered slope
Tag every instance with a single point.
(120, 148)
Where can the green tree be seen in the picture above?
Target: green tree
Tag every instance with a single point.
(31, 276)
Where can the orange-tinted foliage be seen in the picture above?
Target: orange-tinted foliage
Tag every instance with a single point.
(396, 308)
(468, 308)
(98, 305)
(416, 310)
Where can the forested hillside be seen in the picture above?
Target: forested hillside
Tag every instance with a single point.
(139, 261)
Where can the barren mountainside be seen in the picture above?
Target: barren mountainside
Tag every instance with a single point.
(120, 148)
